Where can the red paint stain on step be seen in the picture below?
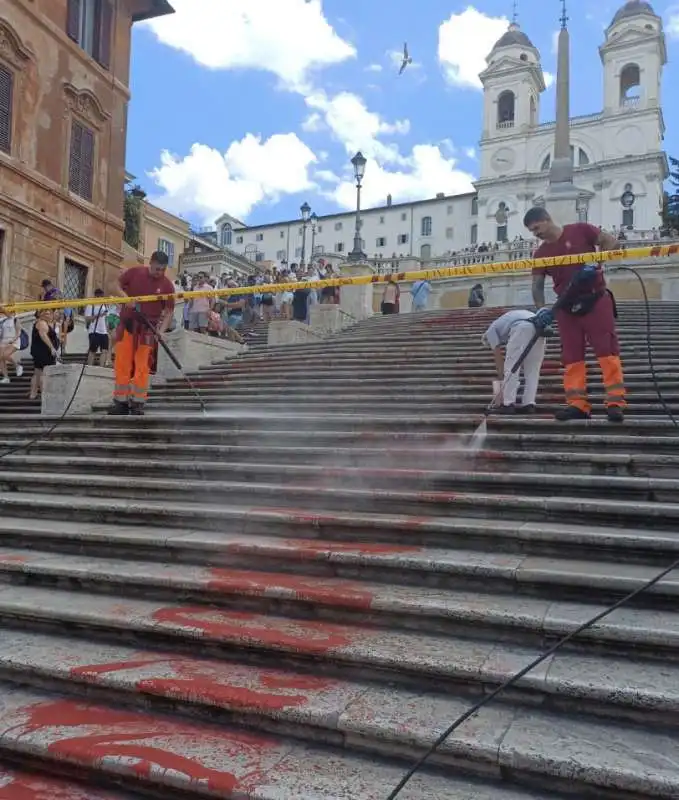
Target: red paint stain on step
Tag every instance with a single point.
(13, 559)
(298, 516)
(22, 786)
(144, 745)
(312, 548)
(298, 635)
(219, 684)
(281, 586)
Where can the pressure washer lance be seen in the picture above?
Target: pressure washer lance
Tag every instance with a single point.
(161, 341)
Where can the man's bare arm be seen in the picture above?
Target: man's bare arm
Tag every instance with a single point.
(539, 289)
(607, 241)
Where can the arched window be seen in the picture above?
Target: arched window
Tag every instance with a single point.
(505, 110)
(533, 111)
(227, 235)
(475, 206)
(426, 226)
(630, 86)
(547, 163)
(583, 158)
(627, 202)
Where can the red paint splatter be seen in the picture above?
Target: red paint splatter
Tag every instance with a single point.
(298, 516)
(22, 786)
(219, 684)
(303, 636)
(13, 559)
(305, 546)
(129, 737)
(315, 590)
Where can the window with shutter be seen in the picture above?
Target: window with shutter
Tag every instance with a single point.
(6, 95)
(73, 19)
(104, 32)
(81, 161)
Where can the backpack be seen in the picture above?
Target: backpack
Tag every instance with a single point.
(23, 340)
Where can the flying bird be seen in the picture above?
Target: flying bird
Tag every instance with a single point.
(406, 59)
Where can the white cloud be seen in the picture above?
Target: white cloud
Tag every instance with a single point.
(289, 38)
(356, 127)
(427, 172)
(672, 26)
(549, 79)
(326, 175)
(210, 183)
(470, 152)
(464, 42)
(313, 123)
(374, 68)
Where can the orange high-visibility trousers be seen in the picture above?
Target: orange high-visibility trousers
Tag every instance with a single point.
(132, 370)
(599, 330)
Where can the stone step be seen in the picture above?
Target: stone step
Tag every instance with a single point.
(331, 711)
(330, 543)
(18, 784)
(170, 757)
(457, 472)
(536, 495)
(434, 579)
(368, 425)
(568, 459)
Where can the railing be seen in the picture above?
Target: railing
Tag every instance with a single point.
(509, 123)
(512, 251)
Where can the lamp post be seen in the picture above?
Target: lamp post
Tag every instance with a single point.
(306, 210)
(314, 222)
(359, 162)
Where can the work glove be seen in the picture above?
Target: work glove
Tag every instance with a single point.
(586, 273)
(543, 319)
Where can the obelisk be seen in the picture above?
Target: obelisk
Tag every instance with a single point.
(562, 195)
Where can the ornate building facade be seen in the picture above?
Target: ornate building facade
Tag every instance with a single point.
(64, 78)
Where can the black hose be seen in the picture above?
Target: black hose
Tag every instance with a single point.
(585, 625)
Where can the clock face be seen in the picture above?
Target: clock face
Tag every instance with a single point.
(503, 160)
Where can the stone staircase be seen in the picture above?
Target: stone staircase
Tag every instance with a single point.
(15, 396)
(292, 596)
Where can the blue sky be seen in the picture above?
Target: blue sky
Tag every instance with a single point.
(263, 102)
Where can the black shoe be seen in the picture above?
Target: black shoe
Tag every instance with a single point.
(118, 409)
(137, 409)
(504, 410)
(529, 409)
(615, 414)
(570, 413)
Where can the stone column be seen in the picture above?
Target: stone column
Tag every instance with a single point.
(62, 381)
(357, 301)
(193, 350)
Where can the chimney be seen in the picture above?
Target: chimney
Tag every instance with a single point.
(388, 199)
(440, 195)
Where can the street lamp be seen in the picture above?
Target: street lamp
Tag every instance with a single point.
(359, 162)
(314, 223)
(306, 210)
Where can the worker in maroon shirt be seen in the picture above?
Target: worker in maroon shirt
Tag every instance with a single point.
(588, 314)
(135, 341)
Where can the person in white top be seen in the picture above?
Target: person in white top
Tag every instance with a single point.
(514, 330)
(97, 329)
(10, 337)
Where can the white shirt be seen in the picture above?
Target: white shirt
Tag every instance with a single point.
(8, 331)
(498, 333)
(97, 325)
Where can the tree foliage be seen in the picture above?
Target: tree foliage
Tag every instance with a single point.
(671, 199)
(132, 217)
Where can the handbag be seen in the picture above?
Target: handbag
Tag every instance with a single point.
(24, 341)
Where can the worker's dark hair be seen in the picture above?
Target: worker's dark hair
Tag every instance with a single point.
(160, 258)
(535, 214)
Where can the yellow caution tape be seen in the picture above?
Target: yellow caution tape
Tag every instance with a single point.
(468, 271)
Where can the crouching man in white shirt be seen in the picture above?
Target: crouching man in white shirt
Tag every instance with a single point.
(514, 330)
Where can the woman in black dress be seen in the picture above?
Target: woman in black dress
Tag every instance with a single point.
(44, 344)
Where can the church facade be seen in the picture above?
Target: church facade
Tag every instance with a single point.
(618, 158)
(617, 153)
